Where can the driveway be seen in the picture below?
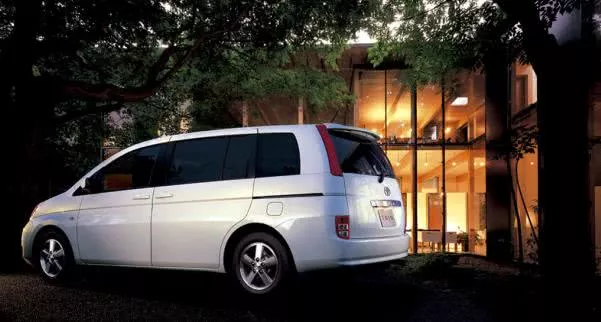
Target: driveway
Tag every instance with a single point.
(122, 294)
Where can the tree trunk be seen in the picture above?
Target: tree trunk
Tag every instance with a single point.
(518, 220)
(517, 184)
(30, 106)
(566, 248)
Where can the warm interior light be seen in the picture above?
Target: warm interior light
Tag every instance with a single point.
(460, 101)
(454, 163)
(447, 130)
(426, 164)
(481, 164)
(398, 164)
(531, 163)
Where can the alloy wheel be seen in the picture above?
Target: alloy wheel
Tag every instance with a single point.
(52, 258)
(258, 266)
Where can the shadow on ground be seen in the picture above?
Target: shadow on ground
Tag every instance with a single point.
(421, 288)
(127, 294)
(327, 295)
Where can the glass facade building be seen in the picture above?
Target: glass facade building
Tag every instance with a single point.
(446, 157)
(438, 142)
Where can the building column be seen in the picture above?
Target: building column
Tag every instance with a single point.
(498, 179)
(357, 93)
(244, 114)
(301, 110)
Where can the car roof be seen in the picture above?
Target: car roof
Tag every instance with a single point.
(244, 130)
(266, 128)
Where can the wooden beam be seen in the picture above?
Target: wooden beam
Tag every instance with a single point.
(301, 110)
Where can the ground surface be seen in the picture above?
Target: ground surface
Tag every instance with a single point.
(467, 291)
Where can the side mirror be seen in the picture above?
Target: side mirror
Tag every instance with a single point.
(87, 183)
(85, 188)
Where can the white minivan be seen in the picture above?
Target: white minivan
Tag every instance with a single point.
(259, 203)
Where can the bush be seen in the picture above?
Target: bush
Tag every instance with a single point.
(427, 265)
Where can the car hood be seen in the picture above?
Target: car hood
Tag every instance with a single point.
(57, 204)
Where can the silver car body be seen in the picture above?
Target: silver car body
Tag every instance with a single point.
(188, 226)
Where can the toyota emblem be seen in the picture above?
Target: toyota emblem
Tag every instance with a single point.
(387, 191)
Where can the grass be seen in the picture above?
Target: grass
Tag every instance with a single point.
(426, 266)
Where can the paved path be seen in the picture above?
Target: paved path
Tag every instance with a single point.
(117, 294)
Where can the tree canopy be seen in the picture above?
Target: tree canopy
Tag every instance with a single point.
(434, 37)
(114, 52)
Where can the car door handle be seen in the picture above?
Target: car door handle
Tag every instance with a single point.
(163, 195)
(141, 196)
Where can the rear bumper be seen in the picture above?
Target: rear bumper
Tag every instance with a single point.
(335, 252)
(368, 251)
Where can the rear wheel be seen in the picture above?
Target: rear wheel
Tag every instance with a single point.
(260, 264)
(54, 258)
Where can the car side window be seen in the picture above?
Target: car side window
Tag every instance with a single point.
(277, 155)
(199, 160)
(240, 157)
(130, 171)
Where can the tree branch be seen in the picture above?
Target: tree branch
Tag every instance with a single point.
(160, 64)
(70, 89)
(70, 116)
(425, 12)
(537, 40)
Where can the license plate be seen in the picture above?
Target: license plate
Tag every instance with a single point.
(386, 217)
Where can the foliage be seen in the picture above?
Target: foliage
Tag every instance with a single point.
(146, 58)
(431, 37)
(204, 93)
(431, 265)
(250, 75)
(516, 142)
(162, 113)
(466, 238)
(75, 149)
(438, 36)
(124, 51)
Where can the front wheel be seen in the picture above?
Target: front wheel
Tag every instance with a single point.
(54, 258)
(260, 263)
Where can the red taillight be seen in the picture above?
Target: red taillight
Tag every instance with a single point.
(343, 227)
(335, 169)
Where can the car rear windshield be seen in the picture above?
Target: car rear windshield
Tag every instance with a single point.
(360, 153)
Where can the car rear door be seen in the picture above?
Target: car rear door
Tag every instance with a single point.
(207, 189)
(373, 193)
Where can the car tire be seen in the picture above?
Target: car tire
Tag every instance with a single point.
(53, 257)
(261, 264)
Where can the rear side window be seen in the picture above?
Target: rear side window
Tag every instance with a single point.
(240, 157)
(277, 155)
(195, 161)
(360, 154)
